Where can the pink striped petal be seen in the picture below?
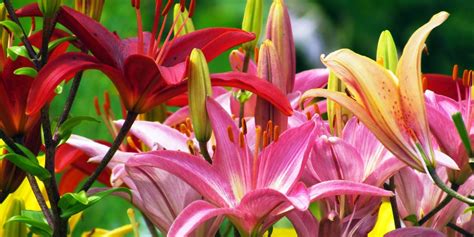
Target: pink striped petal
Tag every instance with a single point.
(414, 232)
(158, 136)
(281, 163)
(342, 187)
(192, 169)
(311, 79)
(304, 223)
(196, 214)
(230, 159)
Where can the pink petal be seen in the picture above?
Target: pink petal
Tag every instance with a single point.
(230, 159)
(158, 136)
(281, 163)
(196, 214)
(415, 232)
(192, 169)
(342, 187)
(236, 60)
(304, 223)
(168, 194)
(311, 79)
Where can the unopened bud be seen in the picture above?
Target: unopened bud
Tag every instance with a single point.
(337, 115)
(269, 69)
(91, 8)
(252, 21)
(199, 88)
(184, 24)
(387, 51)
(49, 7)
(280, 33)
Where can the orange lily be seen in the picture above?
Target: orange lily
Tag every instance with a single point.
(391, 105)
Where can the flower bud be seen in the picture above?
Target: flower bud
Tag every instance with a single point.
(387, 51)
(280, 33)
(91, 8)
(337, 115)
(183, 18)
(49, 8)
(199, 88)
(252, 21)
(269, 69)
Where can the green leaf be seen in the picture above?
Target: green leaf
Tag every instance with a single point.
(26, 71)
(36, 226)
(26, 152)
(55, 43)
(412, 218)
(462, 131)
(65, 130)
(12, 27)
(59, 89)
(469, 209)
(72, 203)
(14, 51)
(28, 165)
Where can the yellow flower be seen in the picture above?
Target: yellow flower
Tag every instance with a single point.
(384, 222)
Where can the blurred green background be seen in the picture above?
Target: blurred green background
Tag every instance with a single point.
(319, 27)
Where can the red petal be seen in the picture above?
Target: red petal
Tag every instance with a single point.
(63, 68)
(444, 85)
(100, 41)
(212, 41)
(70, 180)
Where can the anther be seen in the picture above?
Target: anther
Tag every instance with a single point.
(97, 106)
(424, 82)
(455, 72)
(270, 129)
(265, 139)
(189, 124)
(107, 101)
(185, 130)
(308, 115)
(276, 133)
(230, 133)
(244, 126)
(258, 138)
(241, 140)
(191, 149)
(465, 78)
(316, 108)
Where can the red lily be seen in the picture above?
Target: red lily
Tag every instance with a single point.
(144, 73)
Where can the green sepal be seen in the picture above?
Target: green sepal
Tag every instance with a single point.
(26, 71)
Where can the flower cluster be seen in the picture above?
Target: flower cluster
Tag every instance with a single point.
(210, 154)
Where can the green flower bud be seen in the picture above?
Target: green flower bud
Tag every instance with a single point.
(252, 21)
(387, 51)
(183, 18)
(49, 7)
(91, 8)
(199, 88)
(337, 115)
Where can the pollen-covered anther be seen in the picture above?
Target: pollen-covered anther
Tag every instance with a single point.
(244, 126)
(316, 109)
(191, 148)
(189, 124)
(308, 115)
(276, 133)
(455, 72)
(269, 130)
(230, 133)
(183, 129)
(265, 139)
(97, 106)
(465, 77)
(241, 140)
(424, 82)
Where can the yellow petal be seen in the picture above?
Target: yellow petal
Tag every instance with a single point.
(366, 119)
(384, 222)
(411, 83)
(283, 232)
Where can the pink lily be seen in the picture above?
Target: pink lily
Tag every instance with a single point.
(168, 194)
(417, 196)
(356, 156)
(414, 232)
(252, 190)
(439, 110)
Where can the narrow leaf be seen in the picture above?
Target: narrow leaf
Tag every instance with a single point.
(26, 71)
(12, 27)
(28, 166)
(462, 131)
(36, 226)
(53, 44)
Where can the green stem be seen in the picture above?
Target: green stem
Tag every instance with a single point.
(205, 152)
(440, 183)
(131, 116)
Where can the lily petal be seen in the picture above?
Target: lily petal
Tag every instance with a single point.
(342, 187)
(414, 232)
(311, 79)
(192, 169)
(411, 83)
(63, 68)
(281, 163)
(231, 160)
(196, 214)
(304, 223)
(212, 42)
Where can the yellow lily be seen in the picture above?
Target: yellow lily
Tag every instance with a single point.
(391, 106)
